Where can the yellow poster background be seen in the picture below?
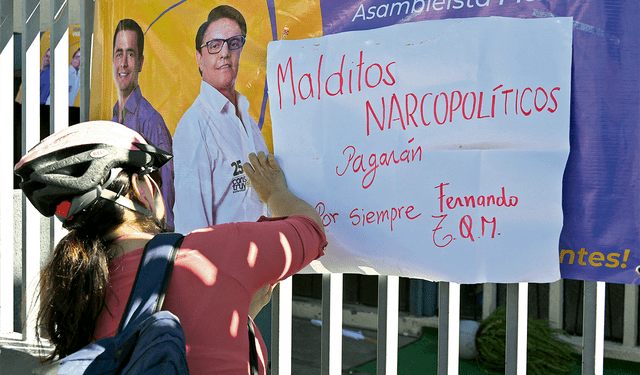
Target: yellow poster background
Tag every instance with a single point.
(45, 43)
(170, 79)
(74, 44)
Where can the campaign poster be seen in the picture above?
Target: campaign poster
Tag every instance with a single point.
(45, 68)
(599, 236)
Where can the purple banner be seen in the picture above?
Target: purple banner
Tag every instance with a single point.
(599, 240)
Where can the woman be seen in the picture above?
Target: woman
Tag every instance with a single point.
(101, 180)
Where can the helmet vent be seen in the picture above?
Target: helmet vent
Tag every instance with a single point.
(76, 170)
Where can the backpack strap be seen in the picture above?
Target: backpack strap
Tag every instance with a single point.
(152, 278)
(253, 351)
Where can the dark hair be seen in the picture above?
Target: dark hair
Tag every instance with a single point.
(200, 34)
(75, 53)
(131, 25)
(219, 12)
(74, 283)
(227, 11)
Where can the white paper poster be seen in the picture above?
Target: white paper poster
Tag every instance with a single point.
(432, 149)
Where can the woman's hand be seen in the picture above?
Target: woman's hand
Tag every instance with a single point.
(265, 174)
(267, 179)
(260, 300)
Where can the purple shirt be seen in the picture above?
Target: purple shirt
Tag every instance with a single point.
(45, 84)
(140, 116)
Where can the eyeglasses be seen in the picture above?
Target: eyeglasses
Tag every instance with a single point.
(215, 45)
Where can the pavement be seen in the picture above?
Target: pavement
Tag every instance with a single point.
(17, 359)
(306, 352)
(306, 355)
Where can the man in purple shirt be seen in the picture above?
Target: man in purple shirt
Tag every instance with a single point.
(132, 109)
(45, 77)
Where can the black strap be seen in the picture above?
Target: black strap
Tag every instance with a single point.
(152, 279)
(253, 352)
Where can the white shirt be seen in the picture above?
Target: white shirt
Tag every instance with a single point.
(210, 145)
(74, 84)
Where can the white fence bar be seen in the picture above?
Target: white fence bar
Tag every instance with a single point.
(388, 305)
(59, 107)
(59, 42)
(331, 323)
(6, 167)
(489, 299)
(281, 328)
(454, 329)
(516, 343)
(31, 134)
(448, 328)
(443, 327)
(593, 328)
(630, 333)
(556, 304)
(598, 356)
(523, 314)
(511, 360)
(86, 45)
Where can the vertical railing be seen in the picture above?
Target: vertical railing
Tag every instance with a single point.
(281, 328)
(332, 324)
(448, 328)
(556, 304)
(86, 45)
(388, 293)
(630, 334)
(31, 136)
(6, 167)
(59, 42)
(593, 328)
(489, 299)
(516, 344)
(59, 107)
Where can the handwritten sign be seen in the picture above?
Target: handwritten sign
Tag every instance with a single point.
(431, 149)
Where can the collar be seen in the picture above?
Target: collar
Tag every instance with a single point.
(216, 100)
(131, 105)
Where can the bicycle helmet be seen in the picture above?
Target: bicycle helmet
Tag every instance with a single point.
(69, 170)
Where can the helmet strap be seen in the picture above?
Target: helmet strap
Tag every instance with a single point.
(125, 202)
(66, 210)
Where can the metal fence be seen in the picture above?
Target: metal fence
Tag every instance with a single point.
(26, 238)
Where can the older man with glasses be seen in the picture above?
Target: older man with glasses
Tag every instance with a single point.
(74, 77)
(214, 138)
(216, 134)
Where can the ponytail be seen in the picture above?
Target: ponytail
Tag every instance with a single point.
(73, 286)
(74, 283)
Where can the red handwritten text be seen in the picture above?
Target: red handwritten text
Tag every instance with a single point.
(418, 110)
(310, 84)
(474, 201)
(356, 162)
(359, 216)
(327, 218)
(467, 228)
